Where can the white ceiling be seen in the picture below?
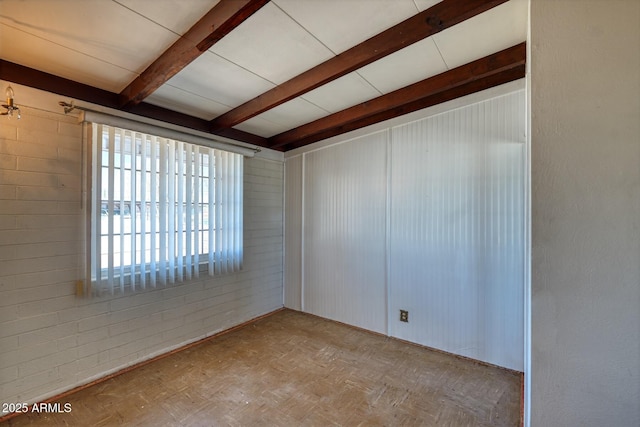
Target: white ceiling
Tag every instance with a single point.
(108, 43)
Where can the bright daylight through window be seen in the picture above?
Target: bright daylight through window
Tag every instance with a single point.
(161, 209)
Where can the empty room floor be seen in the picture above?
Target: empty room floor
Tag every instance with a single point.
(294, 369)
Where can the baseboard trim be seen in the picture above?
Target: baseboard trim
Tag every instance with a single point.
(458, 356)
(107, 377)
(64, 394)
(471, 359)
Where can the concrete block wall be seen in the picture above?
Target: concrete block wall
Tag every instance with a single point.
(50, 339)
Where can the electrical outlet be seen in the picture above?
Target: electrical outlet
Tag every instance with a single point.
(404, 316)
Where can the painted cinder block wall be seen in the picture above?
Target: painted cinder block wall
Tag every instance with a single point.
(51, 340)
(585, 179)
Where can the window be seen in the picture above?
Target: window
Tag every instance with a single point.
(161, 209)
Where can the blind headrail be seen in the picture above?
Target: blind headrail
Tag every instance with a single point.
(154, 127)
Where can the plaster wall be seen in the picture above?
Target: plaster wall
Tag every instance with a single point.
(585, 119)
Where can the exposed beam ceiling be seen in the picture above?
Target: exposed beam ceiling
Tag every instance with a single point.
(217, 23)
(474, 86)
(37, 79)
(404, 100)
(420, 26)
(492, 70)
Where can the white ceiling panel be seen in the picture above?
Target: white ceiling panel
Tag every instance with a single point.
(272, 45)
(425, 4)
(260, 127)
(289, 115)
(294, 113)
(35, 52)
(409, 65)
(342, 93)
(176, 99)
(100, 29)
(176, 15)
(219, 80)
(341, 24)
(484, 34)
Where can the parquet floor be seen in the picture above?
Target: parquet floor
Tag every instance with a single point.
(293, 369)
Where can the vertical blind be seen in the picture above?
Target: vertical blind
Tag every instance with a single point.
(161, 209)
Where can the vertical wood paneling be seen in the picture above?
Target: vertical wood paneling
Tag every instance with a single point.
(427, 217)
(344, 232)
(457, 242)
(293, 233)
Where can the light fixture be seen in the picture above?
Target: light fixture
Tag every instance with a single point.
(10, 106)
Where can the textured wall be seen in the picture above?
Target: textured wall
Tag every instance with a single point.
(457, 230)
(51, 340)
(293, 233)
(426, 216)
(585, 213)
(344, 232)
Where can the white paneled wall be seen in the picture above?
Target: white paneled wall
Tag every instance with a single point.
(457, 248)
(51, 340)
(344, 232)
(428, 217)
(293, 233)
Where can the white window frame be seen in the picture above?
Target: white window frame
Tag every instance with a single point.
(221, 243)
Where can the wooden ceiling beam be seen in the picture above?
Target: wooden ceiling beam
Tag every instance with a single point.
(26, 76)
(492, 70)
(212, 27)
(448, 95)
(420, 26)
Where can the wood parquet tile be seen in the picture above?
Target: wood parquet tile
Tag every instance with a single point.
(294, 369)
